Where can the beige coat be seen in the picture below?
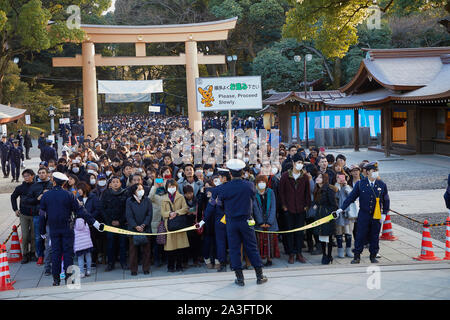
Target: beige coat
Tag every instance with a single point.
(177, 240)
(156, 202)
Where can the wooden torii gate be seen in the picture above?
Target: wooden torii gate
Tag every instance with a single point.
(190, 34)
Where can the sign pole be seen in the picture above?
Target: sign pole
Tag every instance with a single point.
(229, 134)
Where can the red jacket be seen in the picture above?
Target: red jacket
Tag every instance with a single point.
(294, 194)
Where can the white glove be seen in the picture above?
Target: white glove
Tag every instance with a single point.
(383, 217)
(200, 224)
(97, 225)
(43, 236)
(339, 211)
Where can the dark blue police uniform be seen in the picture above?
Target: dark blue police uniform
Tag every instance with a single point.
(215, 210)
(59, 205)
(368, 227)
(237, 197)
(14, 157)
(4, 151)
(49, 153)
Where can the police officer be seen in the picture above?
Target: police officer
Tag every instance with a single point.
(14, 156)
(4, 151)
(368, 190)
(237, 197)
(215, 208)
(59, 205)
(49, 153)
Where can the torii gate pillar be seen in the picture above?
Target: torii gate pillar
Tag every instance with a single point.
(195, 118)
(89, 90)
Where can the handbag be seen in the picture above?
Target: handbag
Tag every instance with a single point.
(177, 223)
(139, 240)
(161, 238)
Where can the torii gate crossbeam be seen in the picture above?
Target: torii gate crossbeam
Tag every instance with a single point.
(190, 34)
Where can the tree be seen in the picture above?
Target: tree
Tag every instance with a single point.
(24, 26)
(280, 72)
(332, 24)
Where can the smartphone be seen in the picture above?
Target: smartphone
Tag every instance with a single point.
(159, 180)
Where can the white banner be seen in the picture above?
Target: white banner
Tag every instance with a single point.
(228, 93)
(136, 97)
(51, 137)
(27, 119)
(64, 120)
(4, 130)
(129, 86)
(154, 109)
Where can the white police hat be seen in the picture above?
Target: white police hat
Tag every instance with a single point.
(235, 164)
(60, 176)
(222, 170)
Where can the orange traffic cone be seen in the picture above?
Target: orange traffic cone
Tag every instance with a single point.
(427, 252)
(5, 279)
(15, 253)
(387, 230)
(447, 241)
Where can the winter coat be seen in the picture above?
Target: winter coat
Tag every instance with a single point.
(156, 199)
(35, 191)
(294, 194)
(176, 240)
(27, 141)
(352, 209)
(197, 185)
(139, 213)
(82, 236)
(113, 206)
(268, 217)
(93, 205)
(22, 191)
(325, 205)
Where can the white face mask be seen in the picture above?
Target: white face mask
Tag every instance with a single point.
(261, 185)
(179, 174)
(209, 173)
(102, 183)
(76, 170)
(90, 171)
(93, 181)
(246, 175)
(140, 193)
(133, 153)
(374, 175)
(299, 166)
(258, 166)
(198, 171)
(274, 170)
(108, 173)
(217, 182)
(51, 168)
(172, 190)
(246, 159)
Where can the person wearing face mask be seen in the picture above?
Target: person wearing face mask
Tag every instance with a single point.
(264, 212)
(295, 200)
(174, 204)
(373, 197)
(99, 238)
(139, 213)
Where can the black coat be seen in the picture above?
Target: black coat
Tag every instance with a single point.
(113, 205)
(27, 141)
(326, 204)
(139, 213)
(35, 191)
(22, 191)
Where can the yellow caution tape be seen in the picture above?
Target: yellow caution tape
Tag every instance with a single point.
(131, 233)
(316, 223)
(309, 226)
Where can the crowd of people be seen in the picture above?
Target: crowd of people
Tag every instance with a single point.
(126, 178)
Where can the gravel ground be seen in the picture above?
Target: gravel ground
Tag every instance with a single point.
(425, 180)
(437, 233)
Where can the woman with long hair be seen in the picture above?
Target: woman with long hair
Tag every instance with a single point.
(325, 202)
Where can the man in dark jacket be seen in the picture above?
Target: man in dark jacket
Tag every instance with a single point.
(113, 205)
(27, 144)
(4, 152)
(15, 156)
(41, 143)
(25, 213)
(49, 152)
(295, 200)
(42, 185)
